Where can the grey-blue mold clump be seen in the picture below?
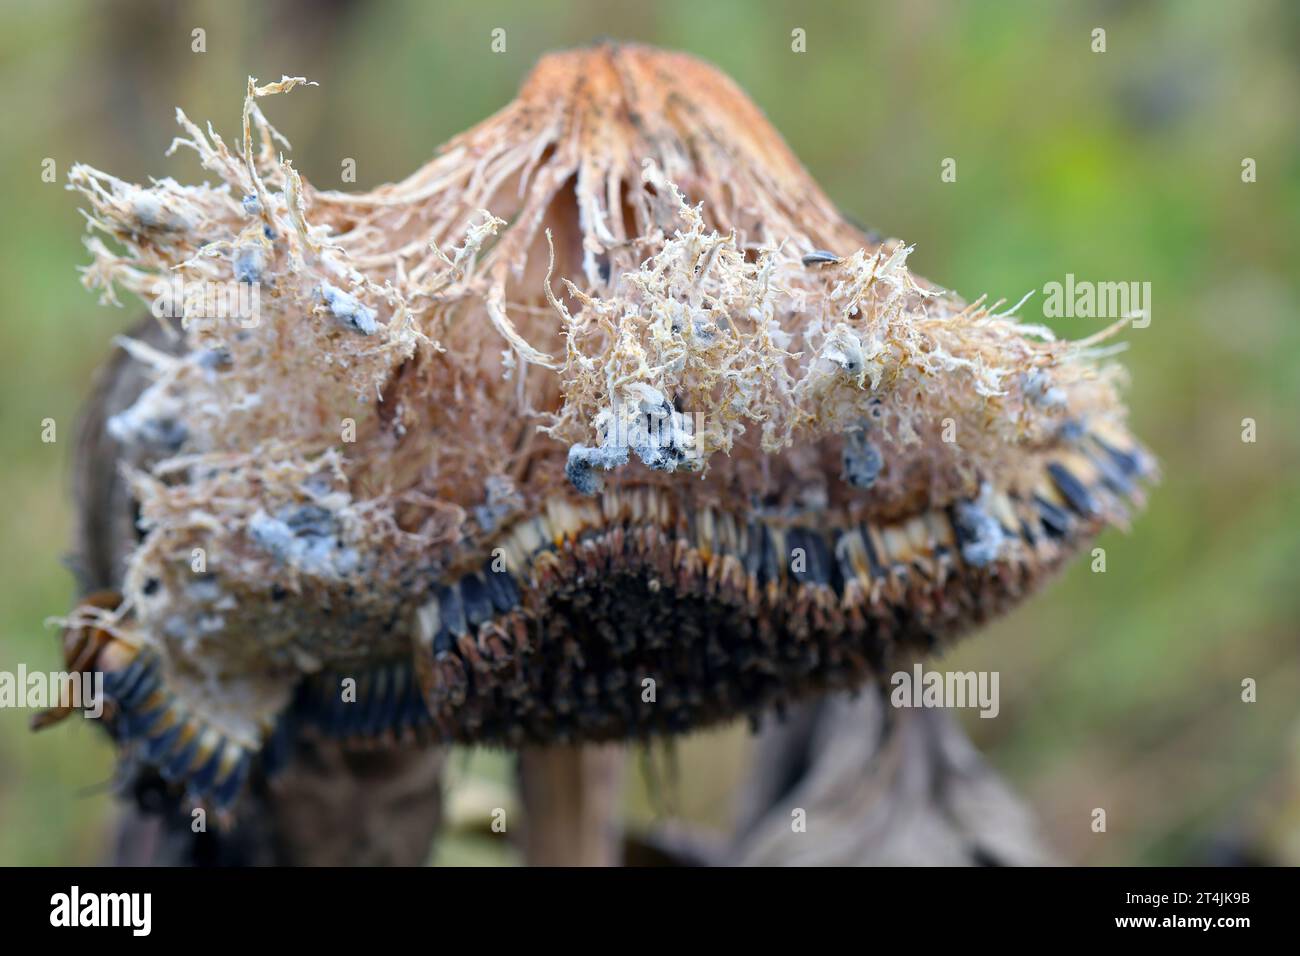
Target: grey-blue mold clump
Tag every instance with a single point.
(863, 461)
(662, 438)
(154, 423)
(982, 532)
(348, 311)
(501, 499)
(1038, 388)
(659, 435)
(305, 537)
(250, 260)
(580, 468)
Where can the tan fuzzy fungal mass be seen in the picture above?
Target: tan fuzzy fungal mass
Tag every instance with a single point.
(436, 362)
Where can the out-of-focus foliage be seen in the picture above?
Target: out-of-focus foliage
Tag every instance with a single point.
(1119, 690)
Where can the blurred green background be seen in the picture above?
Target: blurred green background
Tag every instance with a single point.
(1120, 690)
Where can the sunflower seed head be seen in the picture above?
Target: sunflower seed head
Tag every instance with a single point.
(599, 293)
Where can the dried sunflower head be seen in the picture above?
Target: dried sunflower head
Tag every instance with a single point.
(601, 424)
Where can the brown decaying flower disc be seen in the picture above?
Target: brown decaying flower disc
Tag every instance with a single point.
(603, 424)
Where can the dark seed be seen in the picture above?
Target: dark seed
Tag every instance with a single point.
(226, 790)
(877, 569)
(1075, 492)
(1055, 521)
(201, 780)
(477, 603)
(501, 588)
(451, 612)
(175, 767)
